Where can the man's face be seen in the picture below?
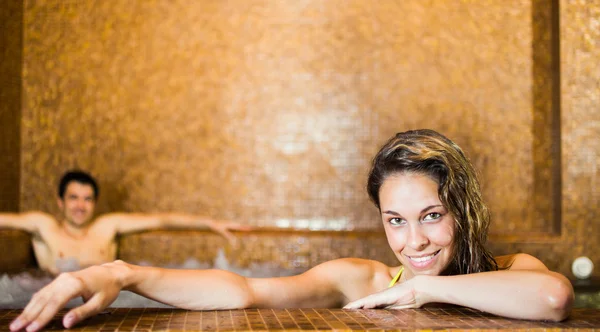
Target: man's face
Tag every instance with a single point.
(78, 204)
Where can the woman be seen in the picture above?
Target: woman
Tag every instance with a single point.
(435, 221)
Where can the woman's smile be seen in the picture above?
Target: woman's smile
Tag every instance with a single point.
(418, 227)
(423, 261)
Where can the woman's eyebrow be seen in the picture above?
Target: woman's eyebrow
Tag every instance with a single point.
(394, 213)
(430, 207)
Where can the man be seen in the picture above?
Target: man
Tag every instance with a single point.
(79, 240)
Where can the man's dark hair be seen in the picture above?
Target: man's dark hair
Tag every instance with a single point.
(77, 176)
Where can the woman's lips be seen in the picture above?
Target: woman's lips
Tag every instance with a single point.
(423, 261)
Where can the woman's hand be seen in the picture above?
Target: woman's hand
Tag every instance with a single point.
(401, 296)
(99, 286)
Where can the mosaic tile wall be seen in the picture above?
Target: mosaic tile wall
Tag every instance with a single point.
(580, 129)
(268, 112)
(11, 43)
(270, 253)
(580, 123)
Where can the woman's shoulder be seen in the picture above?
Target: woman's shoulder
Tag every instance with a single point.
(519, 261)
(355, 277)
(355, 268)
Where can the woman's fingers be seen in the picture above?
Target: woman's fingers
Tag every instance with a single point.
(397, 297)
(378, 302)
(369, 302)
(100, 287)
(90, 308)
(399, 307)
(47, 302)
(30, 313)
(51, 308)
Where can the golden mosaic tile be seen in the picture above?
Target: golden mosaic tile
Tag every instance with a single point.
(268, 113)
(11, 44)
(428, 319)
(580, 126)
(17, 253)
(279, 252)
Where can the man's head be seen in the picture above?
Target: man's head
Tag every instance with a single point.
(77, 194)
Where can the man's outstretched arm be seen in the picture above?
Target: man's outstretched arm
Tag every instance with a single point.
(135, 222)
(27, 221)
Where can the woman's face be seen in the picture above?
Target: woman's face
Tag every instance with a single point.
(419, 229)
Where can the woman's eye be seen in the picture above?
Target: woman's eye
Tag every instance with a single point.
(432, 216)
(396, 221)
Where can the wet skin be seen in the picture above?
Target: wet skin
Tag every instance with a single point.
(418, 227)
(79, 240)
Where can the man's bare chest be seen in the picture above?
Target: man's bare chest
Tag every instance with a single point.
(87, 250)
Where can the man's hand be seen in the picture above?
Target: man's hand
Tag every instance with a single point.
(99, 286)
(224, 227)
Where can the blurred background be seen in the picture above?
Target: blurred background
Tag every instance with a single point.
(269, 112)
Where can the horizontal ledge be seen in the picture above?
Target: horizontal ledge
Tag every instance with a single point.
(268, 231)
(539, 238)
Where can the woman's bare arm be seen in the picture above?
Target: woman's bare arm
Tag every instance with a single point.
(322, 286)
(526, 290)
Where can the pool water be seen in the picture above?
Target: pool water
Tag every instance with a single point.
(17, 289)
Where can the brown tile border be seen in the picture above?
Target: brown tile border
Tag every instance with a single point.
(429, 319)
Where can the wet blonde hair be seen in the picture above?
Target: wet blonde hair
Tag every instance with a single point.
(432, 154)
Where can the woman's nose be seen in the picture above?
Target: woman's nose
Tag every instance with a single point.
(417, 238)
